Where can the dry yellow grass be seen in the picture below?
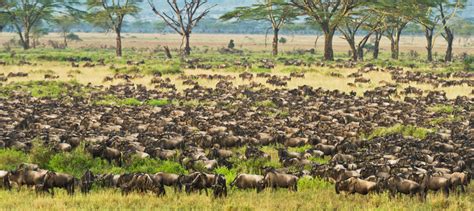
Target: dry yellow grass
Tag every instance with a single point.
(244, 41)
(315, 77)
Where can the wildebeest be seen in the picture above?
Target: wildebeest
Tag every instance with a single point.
(201, 181)
(4, 178)
(356, 185)
(58, 180)
(170, 180)
(219, 187)
(436, 183)
(86, 181)
(248, 181)
(102, 151)
(274, 179)
(27, 177)
(397, 184)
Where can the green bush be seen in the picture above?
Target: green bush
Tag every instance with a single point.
(77, 162)
(40, 154)
(229, 174)
(254, 166)
(152, 166)
(10, 159)
(469, 63)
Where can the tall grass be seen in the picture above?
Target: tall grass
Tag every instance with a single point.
(313, 194)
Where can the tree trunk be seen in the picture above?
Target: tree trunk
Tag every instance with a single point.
(429, 43)
(118, 47)
(187, 48)
(378, 37)
(328, 50)
(353, 50)
(360, 53)
(167, 52)
(316, 42)
(449, 50)
(26, 42)
(361, 46)
(275, 42)
(65, 40)
(395, 45)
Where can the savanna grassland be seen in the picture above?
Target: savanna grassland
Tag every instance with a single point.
(312, 194)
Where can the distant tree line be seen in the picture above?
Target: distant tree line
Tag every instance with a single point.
(356, 21)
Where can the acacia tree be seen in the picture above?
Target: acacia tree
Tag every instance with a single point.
(447, 10)
(64, 24)
(378, 34)
(396, 16)
(25, 14)
(276, 12)
(109, 14)
(352, 25)
(429, 22)
(183, 18)
(328, 14)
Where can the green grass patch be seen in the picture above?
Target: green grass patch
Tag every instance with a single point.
(444, 109)
(443, 120)
(266, 103)
(111, 100)
(299, 149)
(323, 160)
(405, 130)
(45, 89)
(158, 102)
(260, 70)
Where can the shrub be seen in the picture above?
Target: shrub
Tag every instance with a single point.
(77, 162)
(229, 174)
(254, 166)
(73, 37)
(152, 166)
(231, 44)
(10, 159)
(40, 154)
(469, 63)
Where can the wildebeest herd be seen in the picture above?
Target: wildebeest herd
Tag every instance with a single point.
(206, 135)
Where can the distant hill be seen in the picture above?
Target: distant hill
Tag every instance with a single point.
(223, 6)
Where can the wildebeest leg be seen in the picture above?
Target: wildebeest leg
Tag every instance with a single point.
(206, 191)
(446, 191)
